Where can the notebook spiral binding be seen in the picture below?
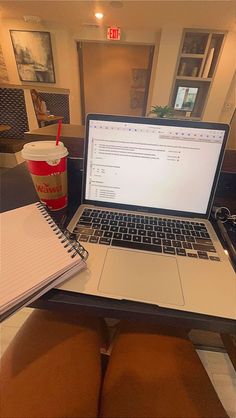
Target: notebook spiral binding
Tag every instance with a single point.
(73, 246)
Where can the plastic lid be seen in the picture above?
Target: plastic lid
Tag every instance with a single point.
(43, 151)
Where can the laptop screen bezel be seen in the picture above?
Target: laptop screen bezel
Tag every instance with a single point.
(155, 121)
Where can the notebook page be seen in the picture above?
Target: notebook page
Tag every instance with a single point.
(31, 253)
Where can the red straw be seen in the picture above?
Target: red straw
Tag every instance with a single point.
(58, 131)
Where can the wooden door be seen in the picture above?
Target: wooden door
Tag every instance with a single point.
(114, 78)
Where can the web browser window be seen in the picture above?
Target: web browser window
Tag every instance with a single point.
(156, 166)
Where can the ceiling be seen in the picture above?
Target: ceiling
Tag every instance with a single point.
(131, 14)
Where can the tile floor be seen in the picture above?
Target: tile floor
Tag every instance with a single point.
(217, 364)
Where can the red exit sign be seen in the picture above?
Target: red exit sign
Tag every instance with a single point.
(113, 33)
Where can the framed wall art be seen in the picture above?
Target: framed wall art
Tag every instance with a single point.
(33, 54)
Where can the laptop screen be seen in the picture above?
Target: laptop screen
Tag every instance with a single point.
(164, 165)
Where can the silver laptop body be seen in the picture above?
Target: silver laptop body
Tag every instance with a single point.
(148, 189)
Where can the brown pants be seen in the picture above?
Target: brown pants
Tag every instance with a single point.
(52, 368)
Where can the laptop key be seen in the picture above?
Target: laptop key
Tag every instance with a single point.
(98, 233)
(180, 251)
(168, 250)
(97, 221)
(208, 248)
(107, 234)
(142, 232)
(203, 241)
(130, 224)
(136, 238)
(121, 223)
(85, 219)
(177, 244)
(203, 255)
(151, 234)
(105, 241)
(83, 238)
(136, 245)
(156, 241)
(179, 238)
(132, 231)
(93, 239)
(190, 239)
(176, 231)
(214, 258)
(114, 228)
(81, 222)
(193, 255)
(127, 237)
(205, 235)
(160, 234)
(195, 233)
(149, 227)
(147, 240)
(139, 226)
(187, 245)
(166, 242)
(96, 226)
(105, 227)
(170, 236)
(85, 231)
(117, 235)
(200, 228)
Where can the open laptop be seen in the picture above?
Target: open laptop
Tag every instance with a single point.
(148, 189)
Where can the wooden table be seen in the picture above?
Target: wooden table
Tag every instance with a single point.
(48, 118)
(4, 128)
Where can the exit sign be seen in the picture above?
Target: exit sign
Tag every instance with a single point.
(113, 33)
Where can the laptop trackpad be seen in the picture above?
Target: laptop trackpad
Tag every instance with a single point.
(141, 276)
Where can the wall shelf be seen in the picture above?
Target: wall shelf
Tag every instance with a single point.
(196, 66)
(179, 77)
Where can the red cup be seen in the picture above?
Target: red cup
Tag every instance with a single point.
(47, 164)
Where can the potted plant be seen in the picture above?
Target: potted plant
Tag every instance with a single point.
(161, 111)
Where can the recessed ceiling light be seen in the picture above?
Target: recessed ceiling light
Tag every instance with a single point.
(99, 15)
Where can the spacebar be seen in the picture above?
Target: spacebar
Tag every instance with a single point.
(137, 245)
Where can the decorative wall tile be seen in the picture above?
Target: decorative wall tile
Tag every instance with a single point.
(13, 113)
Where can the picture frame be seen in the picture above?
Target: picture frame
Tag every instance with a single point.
(33, 54)
(185, 98)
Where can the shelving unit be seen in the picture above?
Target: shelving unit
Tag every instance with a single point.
(196, 65)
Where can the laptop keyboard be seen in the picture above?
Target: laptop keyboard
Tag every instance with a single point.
(148, 233)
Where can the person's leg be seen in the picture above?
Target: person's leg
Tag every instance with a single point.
(52, 368)
(155, 372)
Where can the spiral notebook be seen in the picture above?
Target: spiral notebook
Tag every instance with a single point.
(36, 256)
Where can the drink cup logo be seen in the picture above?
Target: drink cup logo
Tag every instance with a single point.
(51, 187)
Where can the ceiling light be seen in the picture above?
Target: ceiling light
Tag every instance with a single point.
(99, 15)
